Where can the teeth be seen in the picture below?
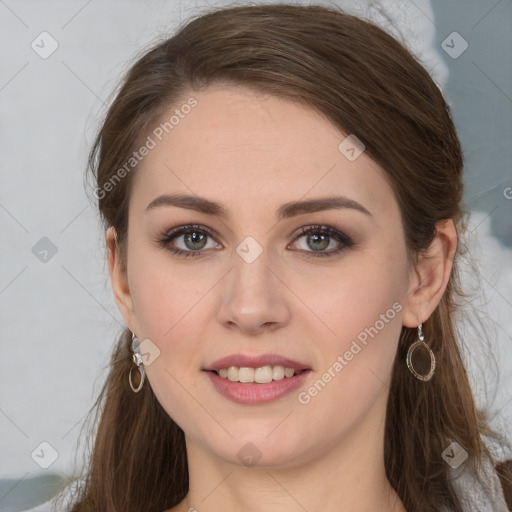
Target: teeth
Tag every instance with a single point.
(278, 372)
(246, 375)
(260, 375)
(263, 374)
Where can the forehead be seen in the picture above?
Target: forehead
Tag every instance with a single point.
(239, 145)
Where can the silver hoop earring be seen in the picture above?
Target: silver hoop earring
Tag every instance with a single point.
(137, 359)
(420, 343)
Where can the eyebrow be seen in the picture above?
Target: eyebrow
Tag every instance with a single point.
(287, 210)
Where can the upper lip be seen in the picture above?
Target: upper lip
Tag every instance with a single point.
(247, 361)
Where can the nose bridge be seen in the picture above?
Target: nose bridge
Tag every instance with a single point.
(252, 297)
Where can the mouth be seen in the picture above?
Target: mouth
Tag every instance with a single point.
(261, 368)
(256, 379)
(256, 386)
(260, 375)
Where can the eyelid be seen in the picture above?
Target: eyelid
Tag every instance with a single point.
(324, 228)
(189, 227)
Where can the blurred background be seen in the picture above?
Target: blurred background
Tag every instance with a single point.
(60, 62)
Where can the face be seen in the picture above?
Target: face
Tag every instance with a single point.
(251, 282)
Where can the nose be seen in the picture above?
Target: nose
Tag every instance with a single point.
(253, 297)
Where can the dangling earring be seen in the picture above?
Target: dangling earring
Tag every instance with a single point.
(412, 348)
(137, 359)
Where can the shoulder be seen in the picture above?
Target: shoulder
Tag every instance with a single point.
(482, 492)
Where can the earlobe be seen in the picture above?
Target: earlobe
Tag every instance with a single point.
(118, 278)
(430, 274)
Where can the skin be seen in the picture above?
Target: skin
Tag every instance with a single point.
(253, 153)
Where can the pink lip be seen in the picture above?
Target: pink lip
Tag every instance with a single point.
(241, 360)
(256, 394)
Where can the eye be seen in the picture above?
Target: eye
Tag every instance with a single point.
(194, 240)
(320, 238)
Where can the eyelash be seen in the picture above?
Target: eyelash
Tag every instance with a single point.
(345, 240)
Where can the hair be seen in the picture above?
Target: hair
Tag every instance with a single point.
(366, 83)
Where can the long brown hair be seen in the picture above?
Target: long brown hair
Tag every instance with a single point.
(366, 83)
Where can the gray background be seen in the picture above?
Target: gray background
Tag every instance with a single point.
(479, 89)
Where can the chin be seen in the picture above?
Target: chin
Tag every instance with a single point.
(276, 450)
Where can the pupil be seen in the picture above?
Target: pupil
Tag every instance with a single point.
(196, 238)
(315, 238)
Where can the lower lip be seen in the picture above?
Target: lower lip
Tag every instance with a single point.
(253, 393)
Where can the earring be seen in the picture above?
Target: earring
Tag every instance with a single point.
(137, 359)
(410, 352)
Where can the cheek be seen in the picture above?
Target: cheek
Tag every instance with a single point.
(165, 295)
(170, 313)
(364, 290)
(169, 303)
(360, 317)
(363, 311)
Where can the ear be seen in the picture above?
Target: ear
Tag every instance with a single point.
(429, 276)
(119, 280)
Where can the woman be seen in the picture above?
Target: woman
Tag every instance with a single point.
(281, 188)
